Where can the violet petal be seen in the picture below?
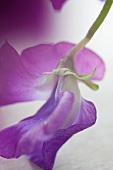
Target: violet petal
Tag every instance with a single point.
(87, 117)
(24, 137)
(32, 137)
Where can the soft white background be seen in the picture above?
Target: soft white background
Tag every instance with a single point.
(91, 149)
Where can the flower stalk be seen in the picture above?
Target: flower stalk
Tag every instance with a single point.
(97, 23)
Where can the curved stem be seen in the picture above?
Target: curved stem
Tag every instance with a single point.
(100, 18)
(97, 23)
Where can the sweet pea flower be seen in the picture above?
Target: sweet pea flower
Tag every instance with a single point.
(45, 72)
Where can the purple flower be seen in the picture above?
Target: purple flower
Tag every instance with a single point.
(65, 112)
(27, 19)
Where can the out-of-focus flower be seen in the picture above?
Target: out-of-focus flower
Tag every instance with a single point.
(23, 20)
(65, 112)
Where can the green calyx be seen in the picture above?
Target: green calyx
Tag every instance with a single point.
(91, 85)
(84, 78)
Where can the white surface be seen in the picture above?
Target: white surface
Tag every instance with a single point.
(91, 149)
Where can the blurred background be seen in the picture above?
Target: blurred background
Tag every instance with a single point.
(92, 148)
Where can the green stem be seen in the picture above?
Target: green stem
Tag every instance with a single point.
(100, 18)
(92, 29)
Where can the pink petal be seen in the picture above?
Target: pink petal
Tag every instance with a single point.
(45, 57)
(87, 60)
(16, 83)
